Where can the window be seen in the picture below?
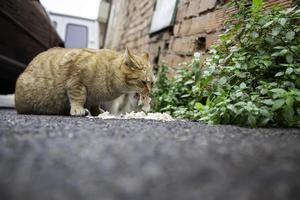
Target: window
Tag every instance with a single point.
(76, 36)
(164, 15)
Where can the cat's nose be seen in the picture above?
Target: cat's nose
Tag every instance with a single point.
(148, 88)
(146, 91)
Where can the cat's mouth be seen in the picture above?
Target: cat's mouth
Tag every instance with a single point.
(137, 96)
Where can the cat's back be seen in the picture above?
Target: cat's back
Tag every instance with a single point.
(58, 64)
(104, 55)
(42, 84)
(52, 59)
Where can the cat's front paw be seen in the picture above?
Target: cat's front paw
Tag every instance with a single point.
(77, 111)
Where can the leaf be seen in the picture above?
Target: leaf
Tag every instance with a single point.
(243, 85)
(279, 47)
(268, 24)
(279, 74)
(240, 74)
(290, 35)
(297, 71)
(207, 102)
(264, 122)
(224, 37)
(275, 54)
(289, 101)
(282, 21)
(283, 52)
(257, 5)
(278, 104)
(225, 118)
(239, 94)
(264, 91)
(185, 95)
(270, 40)
(267, 63)
(223, 80)
(268, 102)
(298, 82)
(232, 108)
(289, 10)
(265, 113)
(195, 88)
(276, 31)
(199, 106)
(289, 58)
(189, 82)
(289, 70)
(254, 35)
(296, 12)
(288, 114)
(252, 120)
(278, 90)
(197, 75)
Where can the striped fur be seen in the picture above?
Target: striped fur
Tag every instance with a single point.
(66, 81)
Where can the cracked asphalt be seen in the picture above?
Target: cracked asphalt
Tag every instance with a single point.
(62, 158)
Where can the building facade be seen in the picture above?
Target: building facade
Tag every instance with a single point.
(195, 27)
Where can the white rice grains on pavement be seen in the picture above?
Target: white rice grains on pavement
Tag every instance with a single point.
(136, 115)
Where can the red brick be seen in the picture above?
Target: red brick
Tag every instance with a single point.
(197, 7)
(185, 27)
(212, 39)
(193, 8)
(207, 5)
(173, 60)
(176, 29)
(181, 12)
(184, 46)
(205, 23)
(166, 36)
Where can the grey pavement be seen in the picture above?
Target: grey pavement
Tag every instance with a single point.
(62, 158)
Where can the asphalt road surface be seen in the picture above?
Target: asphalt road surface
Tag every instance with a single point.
(73, 158)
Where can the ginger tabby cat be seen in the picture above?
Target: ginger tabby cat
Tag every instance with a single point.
(66, 81)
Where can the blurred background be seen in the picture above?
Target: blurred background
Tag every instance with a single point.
(170, 30)
(79, 25)
(29, 27)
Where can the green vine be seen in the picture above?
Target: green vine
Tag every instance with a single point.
(251, 78)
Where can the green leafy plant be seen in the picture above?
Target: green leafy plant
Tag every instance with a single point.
(251, 78)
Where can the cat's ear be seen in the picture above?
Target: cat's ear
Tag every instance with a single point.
(129, 59)
(146, 56)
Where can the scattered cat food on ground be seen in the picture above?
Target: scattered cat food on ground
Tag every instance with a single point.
(136, 115)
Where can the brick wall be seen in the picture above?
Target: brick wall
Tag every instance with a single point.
(197, 26)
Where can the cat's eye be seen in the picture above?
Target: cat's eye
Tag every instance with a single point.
(144, 82)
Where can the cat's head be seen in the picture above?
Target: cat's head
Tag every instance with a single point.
(137, 71)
